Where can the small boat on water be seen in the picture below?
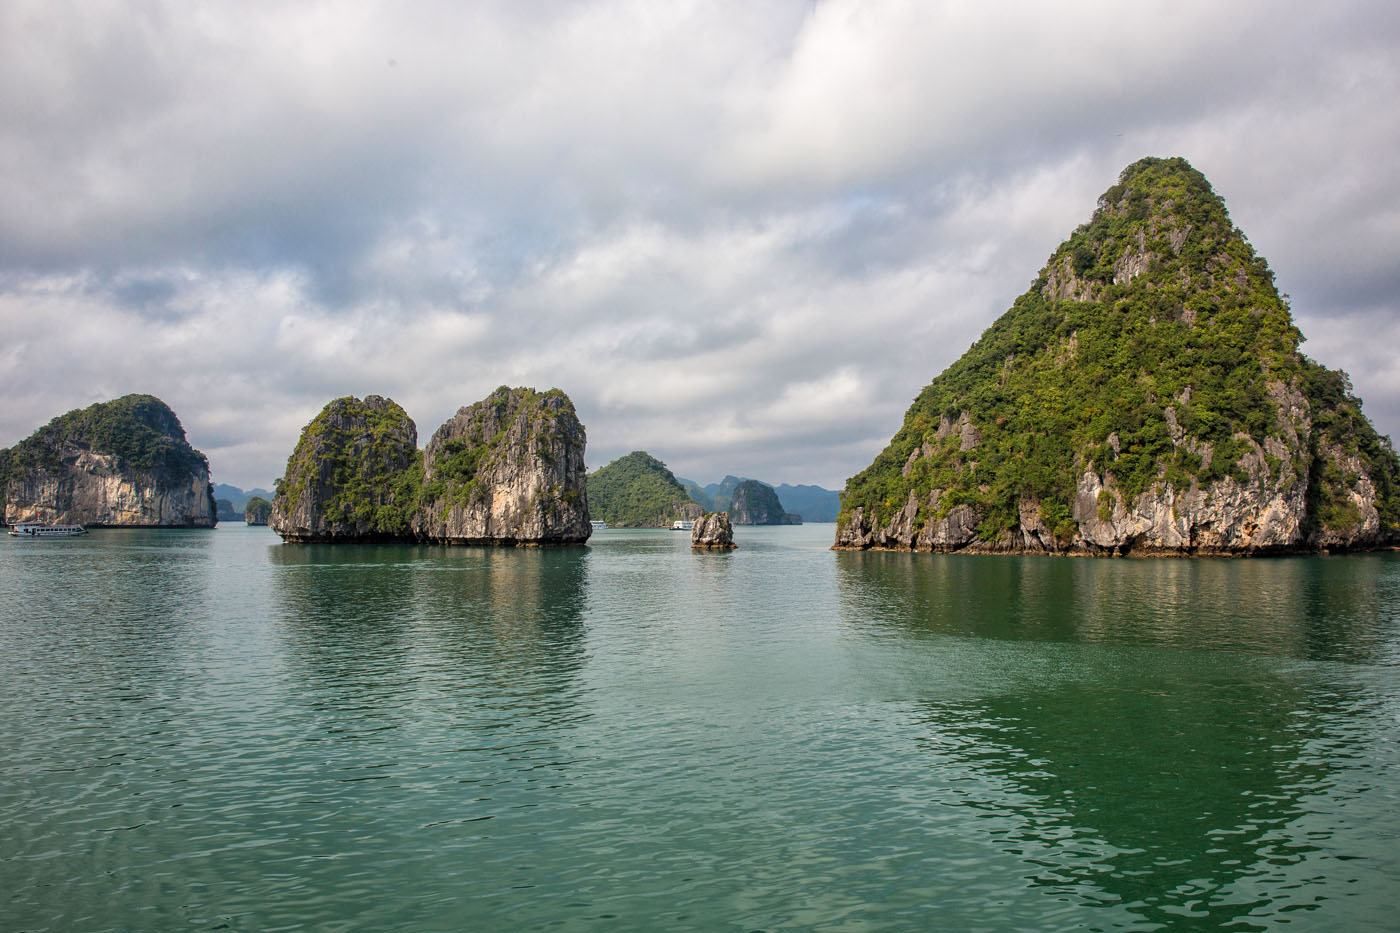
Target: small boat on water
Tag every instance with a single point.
(598, 526)
(682, 524)
(39, 530)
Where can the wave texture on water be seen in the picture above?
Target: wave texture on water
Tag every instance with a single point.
(211, 729)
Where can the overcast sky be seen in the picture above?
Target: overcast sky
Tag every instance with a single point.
(742, 236)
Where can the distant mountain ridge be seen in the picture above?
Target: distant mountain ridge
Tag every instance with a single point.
(813, 503)
(238, 498)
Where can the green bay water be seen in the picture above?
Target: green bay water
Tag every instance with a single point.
(212, 730)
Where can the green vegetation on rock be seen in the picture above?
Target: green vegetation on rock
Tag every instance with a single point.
(638, 491)
(505, 470)
(139, 430)
(1153, 323)
(257, 511)
(356, 468)
(4, 479)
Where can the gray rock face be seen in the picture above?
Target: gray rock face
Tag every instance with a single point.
(712, 532)
(507, 470)
(1265, 507)
(96, 489)
(124, 463)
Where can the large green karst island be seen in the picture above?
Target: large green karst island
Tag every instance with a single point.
(123, 463)
(638, 491)
(1146, 395)
(505, 470)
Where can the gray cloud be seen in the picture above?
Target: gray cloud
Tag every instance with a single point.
(741, 236)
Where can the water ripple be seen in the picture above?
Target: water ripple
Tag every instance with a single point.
(212, 730)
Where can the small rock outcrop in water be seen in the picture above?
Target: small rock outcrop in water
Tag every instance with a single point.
(712, 532)
(506, 470)
(755, 503)
(1145, 396)
(257, 511)
(123, 463)
(638, 491)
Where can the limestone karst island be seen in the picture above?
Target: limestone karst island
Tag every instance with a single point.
(505, 470)
(123, 463)
(1145, 396)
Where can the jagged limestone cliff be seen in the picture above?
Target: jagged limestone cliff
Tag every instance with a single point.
(120, 463)
(506, 470)
(638, 491)
(712, 532)
(1146, 395)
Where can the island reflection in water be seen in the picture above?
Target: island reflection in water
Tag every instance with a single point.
(212, 728)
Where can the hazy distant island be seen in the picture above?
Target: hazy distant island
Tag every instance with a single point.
(810, 503)
(257, 511)
(638, 491)
(505, 470)
(1145, 396)
(125, 462)
(755, 503)
(238, 498)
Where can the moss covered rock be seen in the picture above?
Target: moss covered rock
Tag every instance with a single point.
(507, 470)
(257, 511)
(354, 475)
(638, 491)
(1146, 394)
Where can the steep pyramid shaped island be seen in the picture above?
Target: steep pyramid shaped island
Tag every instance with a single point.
(1145, 396)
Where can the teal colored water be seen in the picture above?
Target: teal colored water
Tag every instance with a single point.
(211, 730)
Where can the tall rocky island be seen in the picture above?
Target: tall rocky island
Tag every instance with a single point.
(506, 470)
(123, 463)
(1145, 396)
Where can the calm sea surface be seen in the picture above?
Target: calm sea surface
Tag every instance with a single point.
(212, 730)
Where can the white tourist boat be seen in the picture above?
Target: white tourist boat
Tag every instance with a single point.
(599, 525)
(39, 530)
(682, 524)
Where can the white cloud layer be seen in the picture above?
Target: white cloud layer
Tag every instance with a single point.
(740, 236)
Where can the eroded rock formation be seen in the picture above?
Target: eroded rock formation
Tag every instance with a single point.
(124, 463)
(506, 470)
(712, 532)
